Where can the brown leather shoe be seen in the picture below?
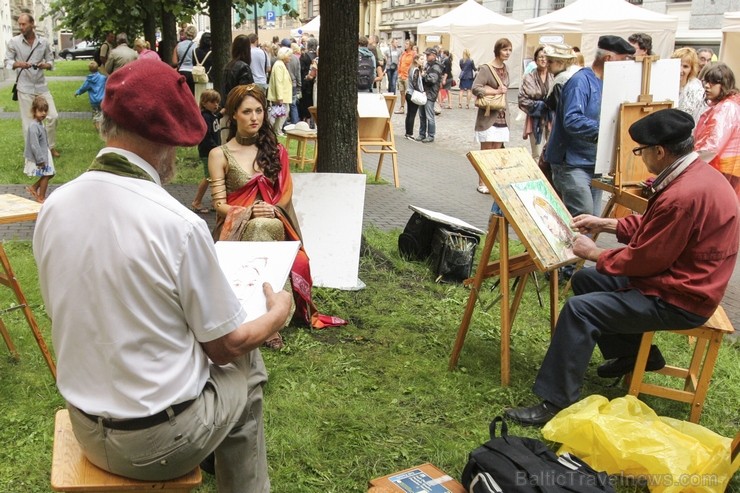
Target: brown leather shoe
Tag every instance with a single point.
(55, 153)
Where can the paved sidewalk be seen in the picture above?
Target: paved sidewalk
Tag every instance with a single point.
(434, 176)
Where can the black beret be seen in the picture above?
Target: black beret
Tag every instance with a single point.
(662, 127)
(617, 45)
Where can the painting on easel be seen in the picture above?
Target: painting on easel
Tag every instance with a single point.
(549, 214)
(529, 202)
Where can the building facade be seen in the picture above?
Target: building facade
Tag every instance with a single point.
(700, 21)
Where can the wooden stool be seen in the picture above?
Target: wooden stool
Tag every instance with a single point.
(302, 139)
(696, 376)
(71, 471)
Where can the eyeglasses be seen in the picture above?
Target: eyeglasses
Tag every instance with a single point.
(637, 151)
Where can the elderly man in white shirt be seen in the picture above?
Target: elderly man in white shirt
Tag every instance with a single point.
(155, 359)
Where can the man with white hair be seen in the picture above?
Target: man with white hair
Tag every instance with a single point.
(121, 54)
(155, 358)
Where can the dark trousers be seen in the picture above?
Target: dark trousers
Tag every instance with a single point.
(599, 314)
(412, 109)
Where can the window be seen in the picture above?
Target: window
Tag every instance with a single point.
(558, 4)
(509, 7)
(309, 9)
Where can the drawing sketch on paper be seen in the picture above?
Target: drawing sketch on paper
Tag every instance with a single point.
(246, 278)
(550, 216)
(249, 264)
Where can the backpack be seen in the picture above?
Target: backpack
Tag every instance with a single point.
(365, 71)
(525, 465)
(200, 76)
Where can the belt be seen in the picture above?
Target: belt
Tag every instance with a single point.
(139, 423)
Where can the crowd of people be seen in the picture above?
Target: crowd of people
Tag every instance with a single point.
(192, 368)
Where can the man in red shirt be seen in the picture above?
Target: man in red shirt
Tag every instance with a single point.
(672, 273)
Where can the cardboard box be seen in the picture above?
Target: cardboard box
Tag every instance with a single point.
(425, 478)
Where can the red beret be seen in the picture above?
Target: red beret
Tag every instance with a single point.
(149, 98)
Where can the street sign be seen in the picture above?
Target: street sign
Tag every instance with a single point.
(270, 16)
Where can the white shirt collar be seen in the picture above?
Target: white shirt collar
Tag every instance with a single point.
(134, 159)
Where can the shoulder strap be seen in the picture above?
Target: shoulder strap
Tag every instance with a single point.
(184, 56)
(18, 75)
(495, 75)
(205, 57)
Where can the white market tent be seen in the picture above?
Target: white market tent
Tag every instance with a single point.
(730, 40)
(312, 27)
(582, 22)
(476, 28)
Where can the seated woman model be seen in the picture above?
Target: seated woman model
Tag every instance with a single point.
(252, 189)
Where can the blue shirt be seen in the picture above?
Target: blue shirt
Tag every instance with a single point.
(95, 84)
(576, 127)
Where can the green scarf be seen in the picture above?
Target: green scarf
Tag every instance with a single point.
(110, 162)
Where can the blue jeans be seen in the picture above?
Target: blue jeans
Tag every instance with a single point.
(427, 125)
(392, 79)
(574, 186)
(293, 111)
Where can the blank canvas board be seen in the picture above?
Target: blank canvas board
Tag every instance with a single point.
(329, 207)
(372, 105)
(622, 84)
(249, 264)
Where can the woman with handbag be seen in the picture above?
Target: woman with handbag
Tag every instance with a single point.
(182, 56)
(414, 94)
(532, 93)
(489, 88)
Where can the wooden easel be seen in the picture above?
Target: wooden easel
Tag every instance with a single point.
(499, 169)
(629, 171)
(375, 136)
(15, 209)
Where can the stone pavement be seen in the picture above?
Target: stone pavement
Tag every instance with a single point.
(434, 176)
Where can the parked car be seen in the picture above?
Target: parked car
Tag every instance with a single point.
(83, 49)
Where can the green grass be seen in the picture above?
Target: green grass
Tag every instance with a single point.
(63, 92)
(344, 405)
(70, 68)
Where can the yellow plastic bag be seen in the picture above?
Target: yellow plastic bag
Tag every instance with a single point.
(625, 437)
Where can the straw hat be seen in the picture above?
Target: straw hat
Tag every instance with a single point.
(560, 51)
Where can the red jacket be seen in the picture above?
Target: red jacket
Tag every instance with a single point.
(683, 249)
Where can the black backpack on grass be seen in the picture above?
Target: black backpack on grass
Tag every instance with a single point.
(509, 464)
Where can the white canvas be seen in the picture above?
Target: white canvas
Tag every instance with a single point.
(622, 84)
(249, 264)
(329, 207)
(371, 105)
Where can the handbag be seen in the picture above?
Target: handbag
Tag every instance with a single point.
(14, 92)
(495, 102)
(200, 76)
(419, 98)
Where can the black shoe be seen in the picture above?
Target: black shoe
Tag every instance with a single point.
(209, 464)
(617, 367)
(535, 415)
(410, 137)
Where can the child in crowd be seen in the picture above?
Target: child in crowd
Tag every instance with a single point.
(209, 103)
(37, 153)
(94, 85)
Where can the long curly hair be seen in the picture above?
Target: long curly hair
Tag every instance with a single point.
(268, 152)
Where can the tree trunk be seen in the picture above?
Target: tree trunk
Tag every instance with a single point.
(150, 27)
(220, 12)
(337, 86)
(169, 36)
